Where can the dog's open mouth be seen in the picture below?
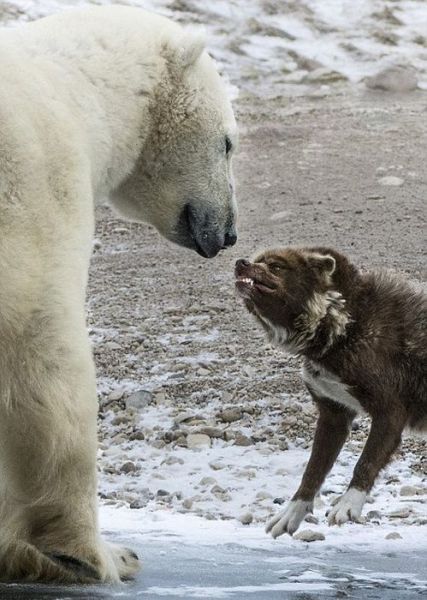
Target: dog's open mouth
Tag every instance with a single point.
(249, 283)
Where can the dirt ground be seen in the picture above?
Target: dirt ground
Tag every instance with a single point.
(308, 172)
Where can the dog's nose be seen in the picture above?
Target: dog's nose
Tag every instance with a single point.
(230, 239)
(242, 263)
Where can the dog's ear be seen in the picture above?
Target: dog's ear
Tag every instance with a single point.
(325, 263)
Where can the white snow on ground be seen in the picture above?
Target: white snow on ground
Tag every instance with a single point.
(284, 43)
(287, 42)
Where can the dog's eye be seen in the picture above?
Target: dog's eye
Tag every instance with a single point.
(276, 267)
(228, 145)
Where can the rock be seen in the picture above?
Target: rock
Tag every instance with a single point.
(112, 346)
(242, 440)
(279, 501)
(373, 515)
(207, 481)
(397, 78)
(311, 519)
(116, 395)
(216, 465)
(391, 180)
(198, 440)
(185, 416)
(128, 467)
(411, 490)
(394, 535)
(137, 435)
(230, 415)
(137, 504)
(246, 519)
(203, 372)
(402, 513)
(139, 399)
(323, 75)
(159, 444)
(308, 535)
(262, 495)
(162, 493)
(187, 503)
(120, 420)
(217, 489)
(172, 460)
(212, 432)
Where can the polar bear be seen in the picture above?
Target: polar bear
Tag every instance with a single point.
(104, 102)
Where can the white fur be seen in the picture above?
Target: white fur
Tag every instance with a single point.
(328, 385)
(288, 520)
(93, 103)
(348, 507)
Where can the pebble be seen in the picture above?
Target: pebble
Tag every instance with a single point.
(137, 504)
(411, 490)
(394, 535)
(173, 460)
(216, 466)
(402, 513)
(373, 514)
(308, 535)
(391, 180)
(207, 481)
(198, 440)
(139, 399)
(397, 78)
(242, 440)
(187, 503)
(279, 501)
(262, 495)
(116, 395)
(311, 519)
(230, 415)
(162, 493)
(128, 467)
(212, 432)
(246, 519)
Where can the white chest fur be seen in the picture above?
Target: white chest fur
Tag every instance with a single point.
(327, 385)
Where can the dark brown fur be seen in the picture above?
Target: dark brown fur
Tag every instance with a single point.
(361, 333)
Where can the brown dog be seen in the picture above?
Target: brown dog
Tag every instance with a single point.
(364, 342)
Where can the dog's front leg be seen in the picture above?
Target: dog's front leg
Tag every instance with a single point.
(331, 432)
(384, 437)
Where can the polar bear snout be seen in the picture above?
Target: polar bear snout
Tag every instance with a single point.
(200, 230)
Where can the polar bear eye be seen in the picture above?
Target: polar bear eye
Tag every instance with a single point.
(228, 145)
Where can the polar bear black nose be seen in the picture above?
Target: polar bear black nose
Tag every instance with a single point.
(230, 239)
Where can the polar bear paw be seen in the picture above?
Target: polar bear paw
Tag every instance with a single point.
(289, 519)
(347, 508)
(125, 560)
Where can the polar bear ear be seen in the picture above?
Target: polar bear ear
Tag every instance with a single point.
(187, 50)
(193, 49)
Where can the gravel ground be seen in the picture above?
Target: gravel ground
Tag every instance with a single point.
(168, 322)
(197, 413)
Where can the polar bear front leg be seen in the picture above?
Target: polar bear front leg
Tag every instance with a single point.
(48, 443)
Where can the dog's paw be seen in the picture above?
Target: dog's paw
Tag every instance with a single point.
(289, 519)
(126, 561)
(347, 508)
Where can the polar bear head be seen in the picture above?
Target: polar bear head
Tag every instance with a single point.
(182, 182)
